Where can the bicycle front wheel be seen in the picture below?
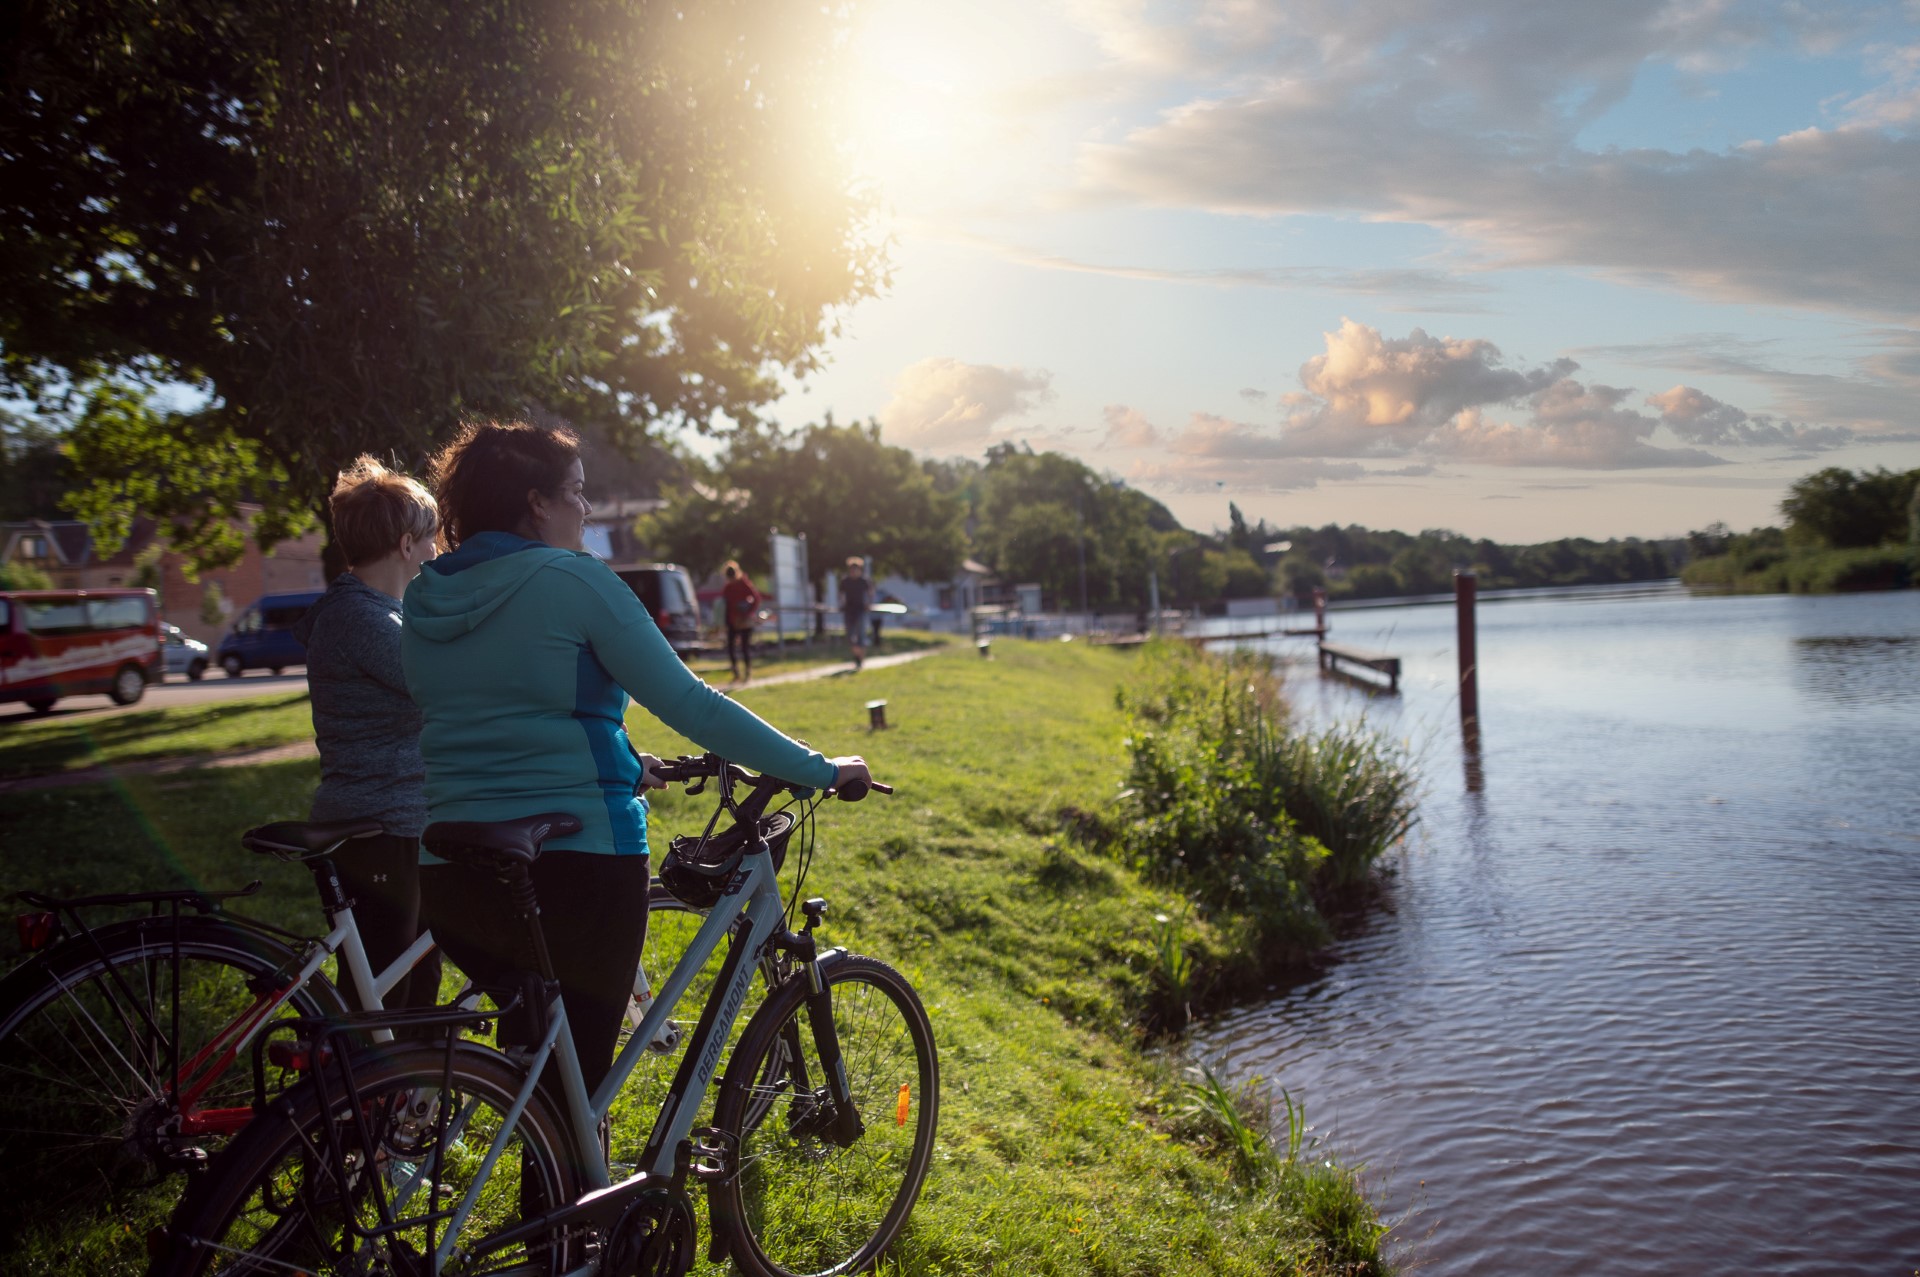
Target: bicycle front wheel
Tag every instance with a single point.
(328, 1187)
(92, 1038)
(803, 1201)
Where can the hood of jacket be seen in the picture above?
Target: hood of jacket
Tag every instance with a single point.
(455, 593)
(345, 587)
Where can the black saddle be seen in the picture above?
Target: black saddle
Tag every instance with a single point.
(496, 844)
(302, 840)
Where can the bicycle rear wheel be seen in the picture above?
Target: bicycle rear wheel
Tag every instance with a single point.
(301, 1190)
(89, 1042)
(800, 1203)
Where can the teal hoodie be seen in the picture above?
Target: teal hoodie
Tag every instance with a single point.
(517, 653)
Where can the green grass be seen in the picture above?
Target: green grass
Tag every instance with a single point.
(40, 746)
(1065, 1146)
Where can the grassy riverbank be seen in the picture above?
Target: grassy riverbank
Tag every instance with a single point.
(1066, 1146)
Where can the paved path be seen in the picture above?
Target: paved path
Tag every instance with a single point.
(305, 748)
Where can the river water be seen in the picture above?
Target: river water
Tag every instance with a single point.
(1649, 1002)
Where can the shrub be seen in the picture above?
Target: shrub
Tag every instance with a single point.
(1246, 817)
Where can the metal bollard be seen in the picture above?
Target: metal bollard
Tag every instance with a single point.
(986, 648)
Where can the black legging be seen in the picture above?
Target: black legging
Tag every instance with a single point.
(382, 877)
(745, 638)
(594, 908)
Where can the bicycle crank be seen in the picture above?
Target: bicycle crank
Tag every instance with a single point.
(654, 1237)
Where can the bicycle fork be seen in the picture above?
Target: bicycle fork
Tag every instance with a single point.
(838, 1121)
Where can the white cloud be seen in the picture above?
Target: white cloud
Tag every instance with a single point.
(1418, 396)
(944, 405)
(1465, 117)
(1128, 428)
(1698, 417)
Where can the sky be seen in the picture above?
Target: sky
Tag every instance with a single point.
(1522, 269)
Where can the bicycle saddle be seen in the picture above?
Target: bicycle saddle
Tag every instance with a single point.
(301, 838)
(487, 842)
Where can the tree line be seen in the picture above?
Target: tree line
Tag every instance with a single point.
(1844, 530)
(1088, 540)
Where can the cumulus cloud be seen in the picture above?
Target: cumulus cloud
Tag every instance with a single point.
(1369, 379)
(1873, 400)
(1371, 396)
(1698, 417)
(944, 405)
(1347, 110)
(1128, 428)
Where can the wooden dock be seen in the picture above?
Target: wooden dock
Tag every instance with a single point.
(1333, 655)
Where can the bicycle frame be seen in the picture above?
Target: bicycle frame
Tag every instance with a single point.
(755, 894)
(192, 1079)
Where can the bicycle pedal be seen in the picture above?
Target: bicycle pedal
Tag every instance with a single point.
(713, 1154)
(667, 1040)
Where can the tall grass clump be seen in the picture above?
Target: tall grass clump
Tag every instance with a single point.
(1250, 818)
(1270, 1151)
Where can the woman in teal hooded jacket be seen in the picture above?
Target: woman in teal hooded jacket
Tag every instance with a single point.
(521, 650)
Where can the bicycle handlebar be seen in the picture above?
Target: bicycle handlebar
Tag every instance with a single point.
(691, 769)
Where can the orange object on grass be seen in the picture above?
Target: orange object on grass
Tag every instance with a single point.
(900, 1113)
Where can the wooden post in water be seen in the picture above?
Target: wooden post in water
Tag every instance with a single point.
(1320, 610)
(1464, 585)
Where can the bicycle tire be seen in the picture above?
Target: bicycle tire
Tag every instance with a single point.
(83, 1082)
(796, 1205)
(275, 1200)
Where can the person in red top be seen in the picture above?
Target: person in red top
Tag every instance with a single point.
(742, 605)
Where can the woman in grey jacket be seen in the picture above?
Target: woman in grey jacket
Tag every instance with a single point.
(364, 722)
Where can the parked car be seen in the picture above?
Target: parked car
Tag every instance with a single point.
(184, 655)
(666, 591)
(56, 643)
(262, 636)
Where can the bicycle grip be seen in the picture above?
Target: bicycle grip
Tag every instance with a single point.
(856, 790)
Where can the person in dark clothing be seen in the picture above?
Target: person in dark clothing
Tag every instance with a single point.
(364, 722)
(741, 602)
(856, 596)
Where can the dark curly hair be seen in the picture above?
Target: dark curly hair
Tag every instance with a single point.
(483, 475)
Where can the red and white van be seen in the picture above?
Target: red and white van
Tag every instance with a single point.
(56, 643)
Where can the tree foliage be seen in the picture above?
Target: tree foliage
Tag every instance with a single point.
(1035, 514)
(34, 472)
(345, 225)
(1842, 510)
(846, 491)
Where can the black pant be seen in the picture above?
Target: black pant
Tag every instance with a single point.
(382, 878)
(593, 910)
(745, 639)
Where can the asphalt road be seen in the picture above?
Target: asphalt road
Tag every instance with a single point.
(175, 691)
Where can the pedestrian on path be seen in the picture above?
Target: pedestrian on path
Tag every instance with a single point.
(742, 606)
(856, 595)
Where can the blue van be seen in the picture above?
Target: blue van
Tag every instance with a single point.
(262, 636)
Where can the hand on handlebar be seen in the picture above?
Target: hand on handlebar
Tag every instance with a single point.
(850, 776)
(852, 780)
(650, 777)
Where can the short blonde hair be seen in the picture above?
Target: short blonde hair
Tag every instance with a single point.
(373, 507)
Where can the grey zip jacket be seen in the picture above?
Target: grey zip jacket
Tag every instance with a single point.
(365, 723)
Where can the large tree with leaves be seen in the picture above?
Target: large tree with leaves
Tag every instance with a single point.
(845, 490)
(1037, 514)
(240, 243)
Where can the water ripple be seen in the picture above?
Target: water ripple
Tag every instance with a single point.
(1648, 1003)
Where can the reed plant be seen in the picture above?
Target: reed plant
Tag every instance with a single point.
(1246, 815)
(1173, 972)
